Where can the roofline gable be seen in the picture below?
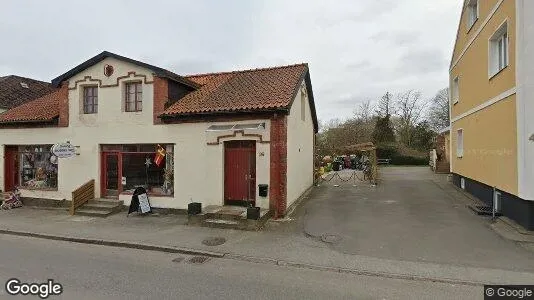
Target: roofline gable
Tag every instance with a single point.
(160, 72)
(464, 5)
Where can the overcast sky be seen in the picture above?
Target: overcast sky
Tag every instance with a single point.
(356, 49)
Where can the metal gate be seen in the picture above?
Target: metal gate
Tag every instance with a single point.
(240, 173)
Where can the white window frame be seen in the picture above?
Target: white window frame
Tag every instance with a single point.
(455, 90)
(460, 143)
(498, 50)
(473, 8)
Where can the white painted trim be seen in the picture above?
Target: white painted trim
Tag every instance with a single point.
(459, 155)
(477, 33)
(491, 72)
(524, 186)
(490, 102)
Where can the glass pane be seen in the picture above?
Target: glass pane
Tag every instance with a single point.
(148, 148)
(219, 127)
(248, 126)
(112, 172)
(140, 170)
(130, 106)
(38, 169)
(139, 106)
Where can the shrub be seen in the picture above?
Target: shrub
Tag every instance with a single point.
(408, 160)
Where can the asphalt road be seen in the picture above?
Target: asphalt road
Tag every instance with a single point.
(99, 272)
(409, 217)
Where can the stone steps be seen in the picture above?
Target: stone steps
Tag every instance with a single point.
(100, 208)
(228, 218)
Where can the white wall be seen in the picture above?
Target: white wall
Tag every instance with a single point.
(299, 150)
(525, 96)
(199, 172)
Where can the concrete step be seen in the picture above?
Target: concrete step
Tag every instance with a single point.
(106, 201)
(102, 206)
(93, 213)
(225, 224)
(229, 217)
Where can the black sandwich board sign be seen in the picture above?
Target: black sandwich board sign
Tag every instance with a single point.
(140, 202)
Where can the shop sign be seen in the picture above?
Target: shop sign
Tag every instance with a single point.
(63, 150)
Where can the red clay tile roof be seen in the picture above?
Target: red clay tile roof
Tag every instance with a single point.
(257, 89)
(12, 93)
(45, 108)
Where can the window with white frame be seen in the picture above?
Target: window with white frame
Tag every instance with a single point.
(472, 13)
(455, 90)
(460, 143)
(498, 50)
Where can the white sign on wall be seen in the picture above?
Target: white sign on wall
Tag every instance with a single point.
(63, 150)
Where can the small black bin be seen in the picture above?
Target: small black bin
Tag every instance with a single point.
(253, 213)
(263, 189)
(194, 208)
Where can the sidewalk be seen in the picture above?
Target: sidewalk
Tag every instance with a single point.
(280, 244)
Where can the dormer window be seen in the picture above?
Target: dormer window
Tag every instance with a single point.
(90, 100)
(133, 97)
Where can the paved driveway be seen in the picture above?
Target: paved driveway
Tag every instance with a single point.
(412, 215)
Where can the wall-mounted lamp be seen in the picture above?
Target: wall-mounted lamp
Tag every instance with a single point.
(531, 138)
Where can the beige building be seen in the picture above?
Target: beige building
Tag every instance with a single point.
(210, 138)
(492, 83)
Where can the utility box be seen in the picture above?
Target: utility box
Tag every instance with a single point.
(263, 189)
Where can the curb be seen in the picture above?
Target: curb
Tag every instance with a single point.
(361, 272)
(115, 243)
(252, 259)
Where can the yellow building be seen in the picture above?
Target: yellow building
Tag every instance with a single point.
(492, 102)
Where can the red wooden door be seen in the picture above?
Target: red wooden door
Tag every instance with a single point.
(111, 173)
(11, 169)
(240, 173)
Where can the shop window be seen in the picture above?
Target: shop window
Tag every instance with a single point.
(149, 166)
(38, 167)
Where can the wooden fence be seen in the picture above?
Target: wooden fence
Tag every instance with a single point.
(82, 195)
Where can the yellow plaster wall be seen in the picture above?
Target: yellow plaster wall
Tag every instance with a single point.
(465, 34)
(475, 86)
(490, 146)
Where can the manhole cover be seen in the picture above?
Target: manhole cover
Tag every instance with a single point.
(198, 260)
(330, 238)
(178, 260)
(214, 241)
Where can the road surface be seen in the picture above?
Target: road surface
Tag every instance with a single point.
(100, 272)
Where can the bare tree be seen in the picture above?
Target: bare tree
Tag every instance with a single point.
(409, 110)
(439, 110)
(364, 111)
(386, 105)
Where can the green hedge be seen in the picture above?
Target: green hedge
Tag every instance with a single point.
(408, 160)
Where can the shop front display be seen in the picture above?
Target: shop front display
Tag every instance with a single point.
(128, 167)
(37, 167)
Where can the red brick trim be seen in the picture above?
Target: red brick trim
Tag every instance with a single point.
(161, 96)
(63, 105)
(278, 166)
(242, 132)
(99, 81)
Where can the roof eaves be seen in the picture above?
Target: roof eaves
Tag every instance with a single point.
(105, 54)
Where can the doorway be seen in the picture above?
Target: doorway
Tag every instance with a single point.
(110, 174)
(240, 173)
(11, 169)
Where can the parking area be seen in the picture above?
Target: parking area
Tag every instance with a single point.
(413, 215)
